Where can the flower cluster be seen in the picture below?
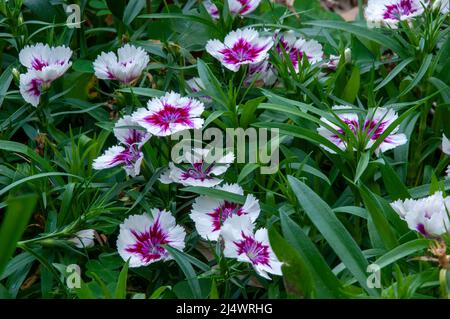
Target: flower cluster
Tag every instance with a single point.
(126, 66)
(44, 65)
(366, 132)
(236, 7)
(391, 12)
(428, 216)
(129, 153)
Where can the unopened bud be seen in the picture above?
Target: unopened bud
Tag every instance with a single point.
(16, 74)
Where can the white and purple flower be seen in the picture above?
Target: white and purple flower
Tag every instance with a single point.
(198, 168)
(126, 66)
(212, 9)
(262, 71)
(129, 154)
(209, 214)
(243, 7)
(334, 60)
(428, 216)
(170, 114)
(374, 125)
(142, 237)
(240, 47)
(249, 247)
(297, 48)
(390, 12)
(44, 64)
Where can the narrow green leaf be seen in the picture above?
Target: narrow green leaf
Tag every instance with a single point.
(333, 231)
(16, 219)
(121, 288)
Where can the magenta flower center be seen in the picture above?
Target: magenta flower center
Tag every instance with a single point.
(245, 6)
(257, 252)
(221, 213)
(199, 171)
(35, 87)
(242, 51)
(421, 229)
(149, 243)
(374, 129)
(170, 115)
(134, 136)
(129, 156)
(395, 11)
(38, 64)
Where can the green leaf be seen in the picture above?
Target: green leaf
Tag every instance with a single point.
(327, 285)
(143, 92)
(5, 81)
(83, 66)
(121, 288)
(116, 7)
(380, 222)
(333, 231)
(16, 219)
(132, 9)
(213, 88)
(187, 269)
(394, 186)
(363, 32)
(362, 165)
(402, 251)
(175, 16)
(297, 278)
(352, 87)
(4, 190)
(420, 74)
(394, 73)
(247, 170)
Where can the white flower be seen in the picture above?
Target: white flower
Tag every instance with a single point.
(374, 125)
(83, 238)
(254, 248)
(297, 48)
(170, 114)
(390, 12)
(209, 213)
(32, 87)
(243, 46)
(128, 132)
(130, 157)
(428, 216)
(45, 64)
(141, 238)
(50, 62)
(243, 7)
(445, 145)
(212, 9)
(200, 168)
(129, 154)
(126, 67)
